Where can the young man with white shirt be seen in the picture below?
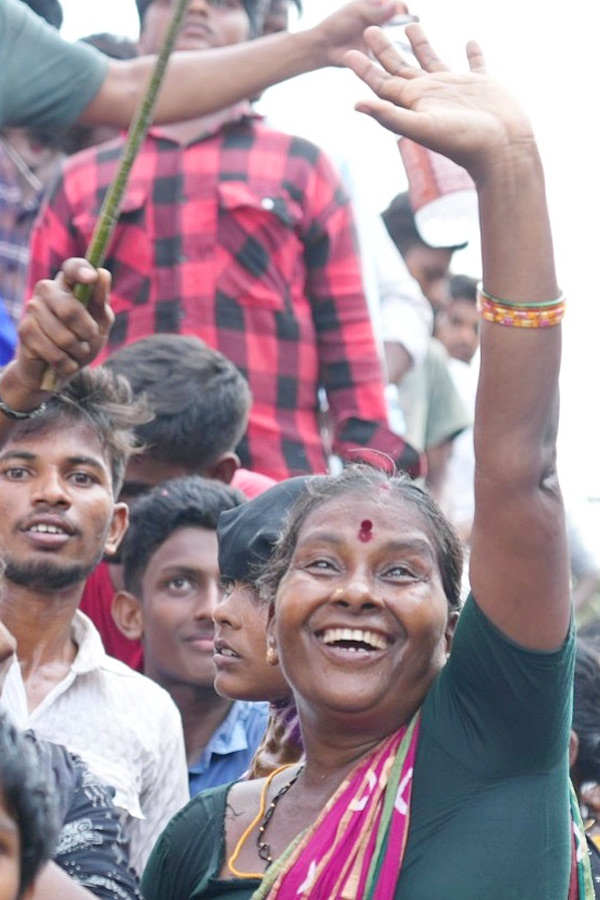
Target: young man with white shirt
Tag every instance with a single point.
(60, 471)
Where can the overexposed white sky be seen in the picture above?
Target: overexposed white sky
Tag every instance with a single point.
(546, 54)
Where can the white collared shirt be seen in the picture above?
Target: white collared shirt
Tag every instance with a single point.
(124, 726)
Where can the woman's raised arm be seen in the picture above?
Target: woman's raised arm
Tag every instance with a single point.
(519, 561)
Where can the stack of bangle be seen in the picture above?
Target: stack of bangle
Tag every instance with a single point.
(530, 314)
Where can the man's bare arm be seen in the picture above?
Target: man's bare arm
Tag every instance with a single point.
(201, 82)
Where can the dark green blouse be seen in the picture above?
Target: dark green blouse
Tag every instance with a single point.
(490, 810)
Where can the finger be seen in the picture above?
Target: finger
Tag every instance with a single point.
(424, 52)
(389, 115)
(76, 271)
(372, 75)
(42, 328)
(387, 54)
(38, 351)
(98, 306)
(53, 306)
(387, 87)
(476, 58)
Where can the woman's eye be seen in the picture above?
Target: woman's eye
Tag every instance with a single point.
(322, 564)
(399, 572)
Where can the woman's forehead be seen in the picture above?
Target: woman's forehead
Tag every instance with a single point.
(364, 511)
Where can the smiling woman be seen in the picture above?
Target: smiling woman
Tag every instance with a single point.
(435, 749)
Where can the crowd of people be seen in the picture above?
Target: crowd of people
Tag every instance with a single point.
(287, 589)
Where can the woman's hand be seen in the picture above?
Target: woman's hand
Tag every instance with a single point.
(468, 116)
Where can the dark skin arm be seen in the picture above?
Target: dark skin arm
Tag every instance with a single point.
(519, 561)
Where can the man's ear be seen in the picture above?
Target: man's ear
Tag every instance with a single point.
(128, 615)
(118, 527)
(225, 468)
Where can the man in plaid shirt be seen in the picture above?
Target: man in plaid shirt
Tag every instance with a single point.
(243, 236)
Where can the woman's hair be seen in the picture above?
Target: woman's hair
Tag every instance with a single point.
(370, 482)
(586, 712)
(29, 800)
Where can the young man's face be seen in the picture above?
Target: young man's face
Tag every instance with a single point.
(457, 327)
(208, 24)
(180, 591)
(430, 267)
(57, 513)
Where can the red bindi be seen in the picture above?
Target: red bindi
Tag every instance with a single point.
(366, 531)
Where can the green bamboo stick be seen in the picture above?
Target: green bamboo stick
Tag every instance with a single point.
(109, 213)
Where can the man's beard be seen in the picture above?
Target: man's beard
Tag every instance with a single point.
(46, 575)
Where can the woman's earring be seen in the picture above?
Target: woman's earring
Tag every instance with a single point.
(272, 659)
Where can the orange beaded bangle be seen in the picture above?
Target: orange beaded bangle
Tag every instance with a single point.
(523, 315)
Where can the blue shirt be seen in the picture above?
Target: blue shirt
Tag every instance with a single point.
(230, 750)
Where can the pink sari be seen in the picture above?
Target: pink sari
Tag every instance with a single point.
(343, 856)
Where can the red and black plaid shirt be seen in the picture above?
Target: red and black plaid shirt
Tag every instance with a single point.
(244, 238)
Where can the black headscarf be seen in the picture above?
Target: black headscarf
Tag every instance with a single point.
(248, 534)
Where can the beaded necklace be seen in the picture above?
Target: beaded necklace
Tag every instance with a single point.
(264, 849)
(262, 819)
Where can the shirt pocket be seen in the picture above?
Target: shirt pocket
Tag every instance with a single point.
(130, 249)
(259, 249)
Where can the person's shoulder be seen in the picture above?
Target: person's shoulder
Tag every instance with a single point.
(199, 814)
(138, 687)
(133, 680)
(188, 851)
(93, 157)
(244, 794)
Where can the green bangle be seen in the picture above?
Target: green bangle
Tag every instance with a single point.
(535, 304)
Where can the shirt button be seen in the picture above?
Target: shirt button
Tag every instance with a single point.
(182, 258)
(267, 203)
